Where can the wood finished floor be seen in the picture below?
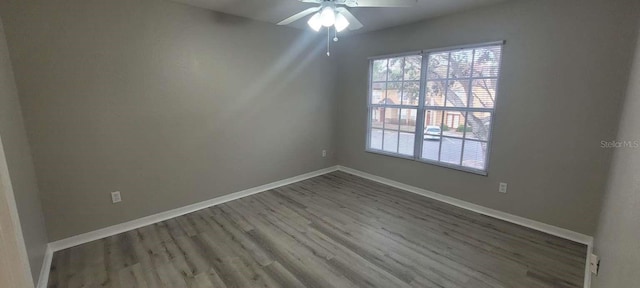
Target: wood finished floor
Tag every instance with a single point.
(335, 230)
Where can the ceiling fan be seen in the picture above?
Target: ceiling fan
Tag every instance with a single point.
(334, 14)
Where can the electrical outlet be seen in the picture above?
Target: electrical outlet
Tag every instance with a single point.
(503, 188)
(115, 197)
(594, 264)
(324, 153)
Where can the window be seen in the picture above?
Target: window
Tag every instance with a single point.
(435, 106)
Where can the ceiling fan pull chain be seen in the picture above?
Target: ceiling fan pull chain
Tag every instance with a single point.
(335, 35)
(328, 41)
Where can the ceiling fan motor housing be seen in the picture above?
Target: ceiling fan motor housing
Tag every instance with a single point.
(350, 3)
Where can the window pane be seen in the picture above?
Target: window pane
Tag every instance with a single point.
(454, 123)
(479, 125)
(407, 130)
(375, 140)
(394, 89)
(431, 149)
(438, 65)
(487, 61)
(412, 67)
(483, 93)
(408, 120)
(407, 143)
(435, 93)
(378, 93)
(395, 69)
(411, 93)
(460, 66)
(457, 95)
(390, 141)
(376, 117)
(433, 118)
(432, 134)
(475, 153)
(379, 72)
(391, 118)
(451, 150)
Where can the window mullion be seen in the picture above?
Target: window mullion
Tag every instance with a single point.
(369, 107)
(464, 136)
(446, 82)
(420, 118)
(401, 104)
(470, 92)
(441, 134)
(487, 110)
(384, 117)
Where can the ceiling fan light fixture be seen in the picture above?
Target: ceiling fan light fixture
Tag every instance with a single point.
(328, 16)
(315, 22)
(341, 22)
(332, 13)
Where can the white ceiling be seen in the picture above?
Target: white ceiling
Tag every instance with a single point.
(273, 11)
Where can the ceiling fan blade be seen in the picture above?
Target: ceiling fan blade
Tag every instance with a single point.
(311, 1)
(380, 3)
(354, 24)
(298, 16)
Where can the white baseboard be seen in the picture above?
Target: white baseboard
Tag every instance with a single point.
(587, 271)
(543, 227)
(162, 216)
(46, 267)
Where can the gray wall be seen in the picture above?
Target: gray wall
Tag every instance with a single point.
(167, 103)
(618, 236)
(19, 162)
(564, 72)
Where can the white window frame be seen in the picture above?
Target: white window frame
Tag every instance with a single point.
(422, 108)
